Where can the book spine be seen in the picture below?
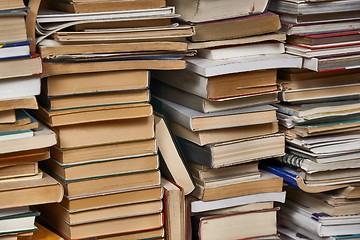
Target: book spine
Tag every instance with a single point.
(292, 160)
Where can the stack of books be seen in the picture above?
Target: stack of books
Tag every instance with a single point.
(24, 142)
(218, 110)
(319, 114)
(95, 96)
(325, 34)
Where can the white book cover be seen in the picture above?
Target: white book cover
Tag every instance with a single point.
(19, 87)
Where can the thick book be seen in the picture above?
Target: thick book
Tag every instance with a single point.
(236, 27)
(157, 233)
(103, 214)
(113, 198)
(18, 170)
(108, 183)
(266, 183)
(13, 27)
(15, 50)
(110, 151)
(97, 168)
(209, 68)
(93, 114)
(263, 223)
(21, 67)
(16, 4)
(203, 10)
(27, 156)
(223, 135)
(89, 67)
(14, 221)
(106, 132)
(94, 99)
(198, 206)
(95, 82)
(197, 121)
(204, 105)
(50, 48)
(37, 191)
(221, 87)
(174, 210)
(172, 164)
(107, 227)
(217, 155)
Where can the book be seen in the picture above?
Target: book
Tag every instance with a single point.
(94, 99)
(174, 210)
(7, 116)
(317, 204)
(43, 137)
(13, 28)
(154, 233)
(89, 67)
(305, 74)
(37, 191)
(103, 214)
(197, 121)
(88, 169)
(216, 155)
(107, 227)
(16, 4)
(241, 50)
(23, 122)
(206, 173)
(266, 183)
(352, 191)
(300, 7)
(20, 67)
(198, 206)
(294, 179)
(311, 166)
(223, 135)
(27, 156)
(263, 223)
(322, 17)
(95, 82)
(18, 170)
(110, 151)
(204, 105)
(277, 36)
(18, 222)
(338, 92)
(49, 48)
(244, 26)
(220, 87)
(114, 198)
(141, 34)
(98, 133)
(322, 51)
(14, 50)
(325, 38)
(93, 114)
(331, 63)
(19, 103)
(304, 220)
(322, 27)
(209, 68)
(44, 233)
(203, 11)
(104, 6)
(173, 164)
(107, 183)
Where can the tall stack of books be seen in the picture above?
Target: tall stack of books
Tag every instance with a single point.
(218, 110)
(319, 114)
(95, 97)
(23, 140)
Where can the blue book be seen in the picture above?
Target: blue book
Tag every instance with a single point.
(14, 50)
